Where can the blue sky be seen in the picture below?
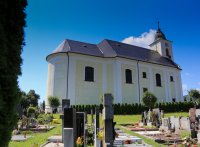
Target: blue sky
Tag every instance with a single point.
(49, 22)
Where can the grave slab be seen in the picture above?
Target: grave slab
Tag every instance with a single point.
(51, 144)
(19, 138)
(57, 139)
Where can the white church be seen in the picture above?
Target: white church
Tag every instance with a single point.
(83, 72)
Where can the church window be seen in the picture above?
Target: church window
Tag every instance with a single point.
(145, 89)
(158, 80)
(89, 74)
(167, 53)
(171, 79)
(144, 74)
(128, 73)
(173, 99)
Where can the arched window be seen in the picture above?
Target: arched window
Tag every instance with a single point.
(167, 53)
(89, 73)
(128, 73)
(158, 80)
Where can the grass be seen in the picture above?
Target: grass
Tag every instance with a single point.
(38, 139)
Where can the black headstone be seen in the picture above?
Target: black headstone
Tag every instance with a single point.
(65, 103)
(80, 125)
(97, 118)
(69, 117)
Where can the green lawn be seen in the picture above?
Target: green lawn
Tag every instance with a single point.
(38, 139)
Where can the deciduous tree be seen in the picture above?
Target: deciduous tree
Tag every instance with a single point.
(149, 99)
(54, 102)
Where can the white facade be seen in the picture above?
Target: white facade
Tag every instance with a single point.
(66, 78)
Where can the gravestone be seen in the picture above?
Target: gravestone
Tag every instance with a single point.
(86, 129)
(96, 126)
(145, 118)
(149, 117)
(177, 124)
(97, 118)
(69, 127)
(185, 123)
(92, 121)
(108, 113)
(80, 124)
(198, 137)
(198, 113)
(172, 123)
(165, 124)
(140, 124)
(65, 103)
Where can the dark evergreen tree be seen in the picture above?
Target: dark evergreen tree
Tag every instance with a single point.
(33, 98)
(12, 22)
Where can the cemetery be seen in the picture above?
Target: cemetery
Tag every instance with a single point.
(101, 128)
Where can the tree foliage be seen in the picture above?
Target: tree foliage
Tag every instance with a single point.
(29, 99)
(12, 22)
(31, 111)
(33, 98)
(149, 99)
(195, 94)
(54, 102)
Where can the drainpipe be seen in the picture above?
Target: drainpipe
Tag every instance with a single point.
(138, 71)
(67, 75)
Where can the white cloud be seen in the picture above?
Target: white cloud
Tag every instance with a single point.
(187, 74)
(143, 40)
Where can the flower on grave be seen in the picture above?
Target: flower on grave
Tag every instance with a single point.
(100, 135)
(127, 142)
(79, 142)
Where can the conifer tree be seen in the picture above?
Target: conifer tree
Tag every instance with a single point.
(12, 23)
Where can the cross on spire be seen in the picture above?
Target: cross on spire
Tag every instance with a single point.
(158, 25)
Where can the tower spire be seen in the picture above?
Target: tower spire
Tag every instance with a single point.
(158, 24)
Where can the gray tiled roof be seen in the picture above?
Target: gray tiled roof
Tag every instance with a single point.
(111, 49)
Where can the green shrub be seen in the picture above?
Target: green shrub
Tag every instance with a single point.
(149, 99)
(32, 111)
(136, 108)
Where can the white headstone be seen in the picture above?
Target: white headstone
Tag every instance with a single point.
(198, 113)
(198, 137)
(177, 124)
(184, 123)
(149, 124)
(140, 124)
(165, 124)
(172, 122)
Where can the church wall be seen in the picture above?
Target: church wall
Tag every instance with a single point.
(88, 92)
(109, 77)
(144, 82)
(129, 92)
(57, 76)
(159, 91)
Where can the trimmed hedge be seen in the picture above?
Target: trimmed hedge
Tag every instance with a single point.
(136, 108)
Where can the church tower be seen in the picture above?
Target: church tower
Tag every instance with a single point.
(162, 45)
